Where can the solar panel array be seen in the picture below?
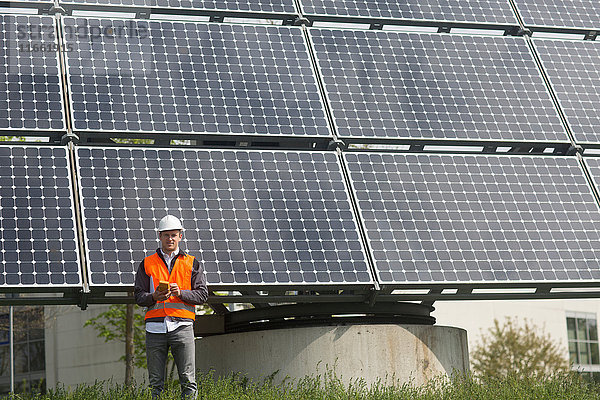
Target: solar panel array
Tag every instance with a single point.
(38, 245)
(30, 84)
(254, 6)
(579, 14)
(573, 70)
(498, 12)
(250, 217)
(192, 78)
(399, 85)
(463, 218)
(280, 219)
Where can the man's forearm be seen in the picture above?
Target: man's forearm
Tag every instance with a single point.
(196, 296)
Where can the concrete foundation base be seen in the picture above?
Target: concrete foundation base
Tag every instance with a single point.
(406, 353)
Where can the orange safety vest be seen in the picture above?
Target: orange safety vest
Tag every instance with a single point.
(181, 274)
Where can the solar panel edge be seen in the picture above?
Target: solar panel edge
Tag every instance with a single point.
(508, 17)
(355, 217)
(73, 214)
(79, 199)
(199, 11)
(363, 228)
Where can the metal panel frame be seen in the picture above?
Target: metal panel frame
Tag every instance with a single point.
(143, 12)
(43, 6)
(443, 25)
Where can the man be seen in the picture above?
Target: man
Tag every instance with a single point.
(170, 313)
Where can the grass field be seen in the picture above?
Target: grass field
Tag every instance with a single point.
(328, 387)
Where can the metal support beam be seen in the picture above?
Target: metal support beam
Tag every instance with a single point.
(287, 316)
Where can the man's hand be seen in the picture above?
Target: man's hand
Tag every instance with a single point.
(174, 288)
(161, 295)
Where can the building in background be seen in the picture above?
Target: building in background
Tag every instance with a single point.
(67, 353)
(571, 323)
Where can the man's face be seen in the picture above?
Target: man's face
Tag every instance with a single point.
(170, 240)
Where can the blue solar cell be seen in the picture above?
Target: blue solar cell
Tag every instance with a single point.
(497, 12)
(580, 14)
(251, 218)
(140, 76)
(394, 85)
(38, 244)
(475, 218)
(30, 84)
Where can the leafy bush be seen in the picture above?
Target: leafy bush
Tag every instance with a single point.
(519, 349)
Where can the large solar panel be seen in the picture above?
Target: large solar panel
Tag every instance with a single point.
(250, 217)
(30, 84)
(496, 12)
(578, 14)
(573, 70)
(393, 85)
(38, 246)
(475, 218)
(139, 76)
(246, 6)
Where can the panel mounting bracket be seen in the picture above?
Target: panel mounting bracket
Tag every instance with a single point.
(591, 35)
(69, 137)
(299, 21)
(574, 150)
(517, 31)
(143, 14)
(336, 144)
(85, 294)
(55, 9)
(217, 18)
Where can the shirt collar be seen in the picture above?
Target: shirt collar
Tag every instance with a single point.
(176, 252)
(179, 251)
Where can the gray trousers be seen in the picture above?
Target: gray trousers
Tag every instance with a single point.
(181, 342)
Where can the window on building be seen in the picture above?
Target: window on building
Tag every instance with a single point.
(584, 354)
(29, 350)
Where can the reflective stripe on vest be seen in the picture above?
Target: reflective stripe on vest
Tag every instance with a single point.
(177, 306)
(181, 274)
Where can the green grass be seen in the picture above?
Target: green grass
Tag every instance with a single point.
(329, 387)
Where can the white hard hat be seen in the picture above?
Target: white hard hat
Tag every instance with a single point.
(169, 223)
